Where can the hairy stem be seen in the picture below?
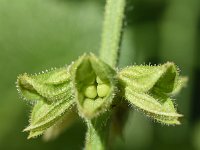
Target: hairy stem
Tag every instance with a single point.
(98, 130)
(93, 138)
(97, 133)
(112, 29)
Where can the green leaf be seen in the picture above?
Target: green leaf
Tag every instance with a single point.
(160, 109)
(49, 86)
(144, 78)
(89, 75)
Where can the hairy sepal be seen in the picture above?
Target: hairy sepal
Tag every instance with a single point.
(49, 86)
(46, 115)
(159, 108)
(145, 78)
(149, 88)
(84, 71)
(56, 130)
(181, 82)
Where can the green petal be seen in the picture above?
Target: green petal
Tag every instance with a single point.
(49, 86)
(160, 109)
(144, 78)
(84, 74)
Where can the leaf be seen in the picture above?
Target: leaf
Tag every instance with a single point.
(49, 86)
(91, 98)
(45, 115)
(160, 109)
(144, 78)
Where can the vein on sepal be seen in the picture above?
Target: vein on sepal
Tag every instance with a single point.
(67, 120)
(145, 78)
(162, 111)
(49, 86)
(50, 114)
(45, 115)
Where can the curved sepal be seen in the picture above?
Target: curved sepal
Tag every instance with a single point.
(49, 86)
(94, 82)
(181, 82)
(145, 78)
(46, 115)
(157, 107)
(67, 121)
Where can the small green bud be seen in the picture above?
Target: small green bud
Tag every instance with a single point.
(90, 91)
(90, 106)
(150, 88)
(103, 90)
(88, 103)
(99, 81)
(86, 69)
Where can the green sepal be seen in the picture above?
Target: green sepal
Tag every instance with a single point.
(159, 108)
(48, 86)
(144, 78)
(181, 82)
(56, 130)
(84, 73)
(46, 115)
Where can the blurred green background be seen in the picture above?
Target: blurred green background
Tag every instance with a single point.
(39, 34)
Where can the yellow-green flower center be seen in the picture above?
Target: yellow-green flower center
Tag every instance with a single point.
(97, 89)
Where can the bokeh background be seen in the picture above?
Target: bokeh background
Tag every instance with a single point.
(39, 34)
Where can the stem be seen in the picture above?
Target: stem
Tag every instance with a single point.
(93, 140)
(98, 128)
(112, 31)
(97, 133)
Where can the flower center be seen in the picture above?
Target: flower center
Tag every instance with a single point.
(97, 89)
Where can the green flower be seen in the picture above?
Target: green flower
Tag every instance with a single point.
(92, 88)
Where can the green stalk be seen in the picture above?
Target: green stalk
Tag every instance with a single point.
(112, 31)
(98, 129)
(97, 135)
